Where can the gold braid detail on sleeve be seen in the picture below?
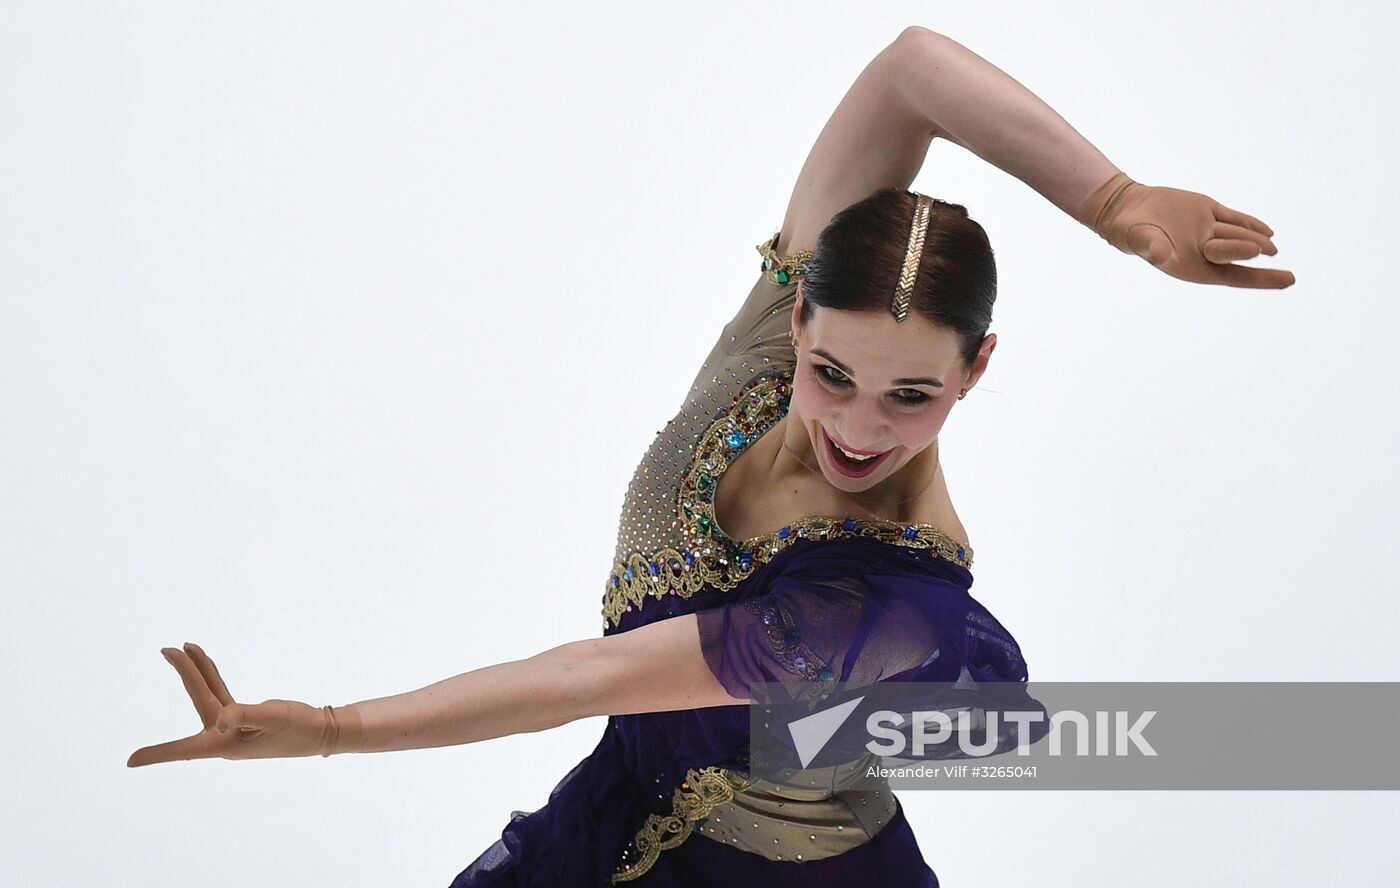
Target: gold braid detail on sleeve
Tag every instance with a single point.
(783, 271)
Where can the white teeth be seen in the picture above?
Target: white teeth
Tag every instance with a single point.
(852, 455)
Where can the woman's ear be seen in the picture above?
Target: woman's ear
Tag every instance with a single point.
(797, 310)
(979, 365)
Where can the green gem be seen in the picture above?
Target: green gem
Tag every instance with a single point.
(704, 524)
(704, 482)
(782, 276)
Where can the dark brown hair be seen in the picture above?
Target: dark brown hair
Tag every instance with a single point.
(858, 257)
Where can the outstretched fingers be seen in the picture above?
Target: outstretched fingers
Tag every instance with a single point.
(1256, 278)
(205, 702)
(1232, 242)
(1231, 231)
(1221, 250)
(1235, 217)
(210, 672)
(205, 744)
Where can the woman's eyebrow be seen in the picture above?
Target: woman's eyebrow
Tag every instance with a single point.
(908, 380)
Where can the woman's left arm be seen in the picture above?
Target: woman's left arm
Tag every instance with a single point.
(970, 102)
(924, 86)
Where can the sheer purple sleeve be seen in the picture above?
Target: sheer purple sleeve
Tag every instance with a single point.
(856, 612)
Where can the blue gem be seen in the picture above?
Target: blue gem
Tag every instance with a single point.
(799, 661)
(825, 674)
(614, 579)
(654, 569)
(627, 574)
(735, 439)
(783, 533)
(849, 524)
(689, 558)
(961, 552)
(911, 532)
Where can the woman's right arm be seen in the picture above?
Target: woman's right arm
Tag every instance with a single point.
(653, 668)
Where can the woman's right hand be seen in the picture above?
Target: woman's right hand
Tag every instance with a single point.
(232, 730)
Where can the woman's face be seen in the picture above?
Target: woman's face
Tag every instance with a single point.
(870, 384)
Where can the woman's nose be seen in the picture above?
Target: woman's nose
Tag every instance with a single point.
(865, 428)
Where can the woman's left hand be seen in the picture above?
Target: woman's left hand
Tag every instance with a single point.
(1185, 234)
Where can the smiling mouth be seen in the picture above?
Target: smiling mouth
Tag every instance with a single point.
(849, 464)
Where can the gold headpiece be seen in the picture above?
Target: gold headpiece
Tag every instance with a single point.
(923, 206)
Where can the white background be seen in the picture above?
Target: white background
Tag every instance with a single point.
(332, 333)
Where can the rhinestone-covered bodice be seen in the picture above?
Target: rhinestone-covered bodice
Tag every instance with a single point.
(669, 543)
(754, 341)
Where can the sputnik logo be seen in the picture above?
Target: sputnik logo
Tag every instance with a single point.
(812, 732)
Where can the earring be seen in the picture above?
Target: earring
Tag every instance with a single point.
(962, 394)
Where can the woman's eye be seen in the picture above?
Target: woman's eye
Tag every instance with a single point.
(907, 397)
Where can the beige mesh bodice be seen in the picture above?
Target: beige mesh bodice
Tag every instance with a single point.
(756, 339)
(828, 815)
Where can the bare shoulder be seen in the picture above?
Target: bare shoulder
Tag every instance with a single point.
(937, 509)
(874, 139)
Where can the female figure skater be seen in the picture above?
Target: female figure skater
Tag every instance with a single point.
(791, 524)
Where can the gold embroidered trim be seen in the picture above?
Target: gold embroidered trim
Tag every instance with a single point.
(710, 556)
(779, 270)
(701, 792)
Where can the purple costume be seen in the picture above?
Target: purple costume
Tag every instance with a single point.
(666, 799)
